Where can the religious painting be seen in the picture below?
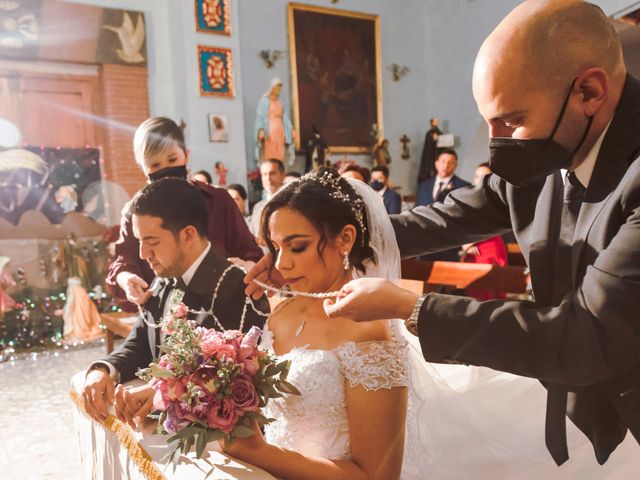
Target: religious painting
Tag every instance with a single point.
(212, 16)
(216, 71)
(50, 180)
(218, 127)
(58, 31)
(336, 77)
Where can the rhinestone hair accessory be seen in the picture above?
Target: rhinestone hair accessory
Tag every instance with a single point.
(356, 205)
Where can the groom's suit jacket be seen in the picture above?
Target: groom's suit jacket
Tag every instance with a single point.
(585, 348)
(142, 344)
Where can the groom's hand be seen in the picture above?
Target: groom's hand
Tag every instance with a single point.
(260, 271)
(135, 288)
(367, 299)
(97, 394)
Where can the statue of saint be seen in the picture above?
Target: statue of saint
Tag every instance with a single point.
(429, 151)
(273, 129)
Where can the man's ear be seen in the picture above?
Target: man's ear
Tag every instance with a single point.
(593, 84)
(188, 234)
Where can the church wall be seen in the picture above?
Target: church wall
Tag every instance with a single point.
(454, 32)
(263, 26)
(174, 84)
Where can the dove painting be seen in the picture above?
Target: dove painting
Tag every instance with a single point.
(212, 16)
(130, 43)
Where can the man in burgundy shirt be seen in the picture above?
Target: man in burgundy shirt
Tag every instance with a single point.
(160, 151)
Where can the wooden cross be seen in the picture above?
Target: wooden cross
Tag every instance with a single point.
(405, 149)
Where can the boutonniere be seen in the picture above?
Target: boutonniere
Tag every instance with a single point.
(175, 297)
(449, 186)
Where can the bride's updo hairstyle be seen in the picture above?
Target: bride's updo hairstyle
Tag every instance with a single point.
(329, 203)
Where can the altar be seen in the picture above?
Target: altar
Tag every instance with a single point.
(113, 451)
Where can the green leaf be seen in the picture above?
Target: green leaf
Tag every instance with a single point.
(173, 448)
(286, 387)
(270, 370)
(215, 435)
(242, 431)
(162, 373)
(201, 444)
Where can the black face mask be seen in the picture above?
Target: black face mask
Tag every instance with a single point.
(179, 172)
(522, 162)
(377, 185)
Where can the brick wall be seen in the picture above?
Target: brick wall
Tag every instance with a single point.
(125, 104)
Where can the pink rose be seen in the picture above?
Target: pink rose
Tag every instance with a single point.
(210, 341)
(250, 340)
(251, 365)
(180, 310)
(224, 416)
(244, 395)
(226, 352)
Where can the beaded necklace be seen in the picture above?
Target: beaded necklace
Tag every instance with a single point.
(247, 302)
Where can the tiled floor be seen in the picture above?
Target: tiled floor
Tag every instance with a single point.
(37, 440)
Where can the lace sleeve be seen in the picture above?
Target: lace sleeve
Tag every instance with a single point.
(374, 365)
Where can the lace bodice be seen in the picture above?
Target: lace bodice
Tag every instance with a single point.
(315, 423)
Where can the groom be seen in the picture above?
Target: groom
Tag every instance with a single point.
(169, 218)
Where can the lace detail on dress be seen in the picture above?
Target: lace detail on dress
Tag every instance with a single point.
(316, 422)
(374, 365)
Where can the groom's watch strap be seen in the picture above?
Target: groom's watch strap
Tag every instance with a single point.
(412, 322)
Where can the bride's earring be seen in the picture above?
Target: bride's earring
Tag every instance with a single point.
(345, 262)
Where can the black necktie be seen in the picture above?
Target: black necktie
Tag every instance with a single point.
(555, 425)
(436, 197)
(179, 284)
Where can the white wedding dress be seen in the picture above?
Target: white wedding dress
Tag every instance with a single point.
(315, 423)
(463, 422)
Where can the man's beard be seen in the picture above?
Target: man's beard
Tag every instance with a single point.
(175, 269)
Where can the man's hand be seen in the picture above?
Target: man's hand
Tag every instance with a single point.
(260, 271)
(133, 404)
(97, 394)
(367, 299)
(134, 287)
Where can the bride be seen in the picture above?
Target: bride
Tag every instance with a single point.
(349, 422)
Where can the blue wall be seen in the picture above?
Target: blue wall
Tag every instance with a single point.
(263, 25)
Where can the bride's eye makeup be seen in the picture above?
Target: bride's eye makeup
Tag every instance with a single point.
(299, 248)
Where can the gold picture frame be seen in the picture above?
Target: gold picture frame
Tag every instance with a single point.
(342, 99)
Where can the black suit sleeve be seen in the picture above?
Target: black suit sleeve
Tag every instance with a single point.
(590, 337)
(133, 354)
(467, 215)
(395, 203)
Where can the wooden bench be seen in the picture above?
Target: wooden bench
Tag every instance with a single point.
(477, 276)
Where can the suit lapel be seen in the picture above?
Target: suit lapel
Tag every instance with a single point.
(200, 291)
(619, 148)
(156, 309)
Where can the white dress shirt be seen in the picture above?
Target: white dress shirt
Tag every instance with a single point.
(436, 185)
(584, 171)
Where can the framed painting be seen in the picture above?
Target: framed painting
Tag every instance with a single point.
(218, 127)
(212, 16)
(216, 71)
(336, 77)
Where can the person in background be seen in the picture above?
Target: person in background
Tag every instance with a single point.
(380, 183)
(436, 189)
(239, 195)
(291, 176)
(356, 171)
(160, 151)
(272, 176)
(202, 176)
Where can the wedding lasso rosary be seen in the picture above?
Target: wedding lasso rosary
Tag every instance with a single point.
(175, 299)
(288, 293)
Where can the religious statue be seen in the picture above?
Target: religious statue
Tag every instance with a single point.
(273, 129)
(316, 152)
(429, 151)
(380, 154)
(405, 147)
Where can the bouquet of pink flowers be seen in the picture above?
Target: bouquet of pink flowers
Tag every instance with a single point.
(210, 385)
